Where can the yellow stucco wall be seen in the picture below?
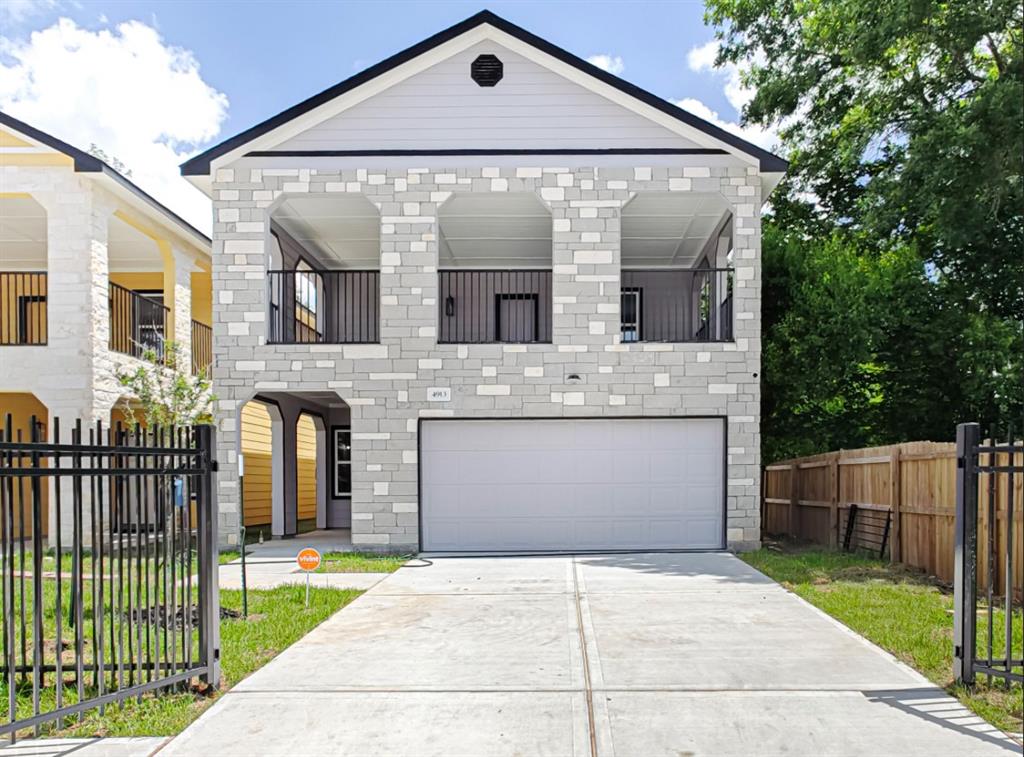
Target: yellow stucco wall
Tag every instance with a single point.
(21, 406)
(256, 446)
(48, 158)
(137, 280)
(305, 431)
(202, 297)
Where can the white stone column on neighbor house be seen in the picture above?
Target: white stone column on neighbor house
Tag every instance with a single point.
(73, 383)
(180, 328)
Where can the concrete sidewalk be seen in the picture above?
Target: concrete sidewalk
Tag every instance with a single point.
(639, 655)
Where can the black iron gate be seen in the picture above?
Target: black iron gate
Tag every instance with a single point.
(125, 603)
(989, 558)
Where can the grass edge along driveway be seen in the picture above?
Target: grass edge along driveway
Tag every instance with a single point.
(277, 619)
(901, 610)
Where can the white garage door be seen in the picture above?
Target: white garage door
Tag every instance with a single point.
(537, 485)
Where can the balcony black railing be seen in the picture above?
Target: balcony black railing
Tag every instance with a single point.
(23, 318)
(492, 307)
(137, 323)
(324, 307)
(202, 348)
(666, 305)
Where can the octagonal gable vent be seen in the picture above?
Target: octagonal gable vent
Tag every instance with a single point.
(486, 70)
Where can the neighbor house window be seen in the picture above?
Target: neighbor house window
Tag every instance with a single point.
(629, 306)
(342, 484)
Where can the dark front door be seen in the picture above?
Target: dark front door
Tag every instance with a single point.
(517, 318)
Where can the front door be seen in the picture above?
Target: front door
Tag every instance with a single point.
(517, 318)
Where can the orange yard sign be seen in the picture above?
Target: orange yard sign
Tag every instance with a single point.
(308, 559)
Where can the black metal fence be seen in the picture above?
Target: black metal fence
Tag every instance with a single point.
(126, 603)
(23, 308)
(137, 323)
(668, 305)
(492, 306)
(324, 307)
(995, 552)
(202, 348)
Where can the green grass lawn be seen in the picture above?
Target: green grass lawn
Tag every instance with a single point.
(902, 611)
(360, 562)
(342, 562)
(277, 618)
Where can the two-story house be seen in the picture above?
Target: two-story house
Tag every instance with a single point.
(93, 273)
(517, 298)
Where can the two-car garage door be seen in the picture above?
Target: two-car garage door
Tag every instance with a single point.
(572, 485)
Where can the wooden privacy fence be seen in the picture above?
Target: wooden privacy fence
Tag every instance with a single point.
(904, 493)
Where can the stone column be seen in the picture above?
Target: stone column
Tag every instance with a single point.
(180, 328)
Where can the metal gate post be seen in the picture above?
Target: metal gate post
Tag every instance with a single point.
(965, 575)
(209, 596)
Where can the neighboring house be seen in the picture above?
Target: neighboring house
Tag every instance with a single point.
(93, 271)
(518, 298)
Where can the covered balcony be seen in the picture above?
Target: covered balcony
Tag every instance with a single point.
(323, 278)
(23, 277)
(143, 273)
(677, 278)
(494, 277)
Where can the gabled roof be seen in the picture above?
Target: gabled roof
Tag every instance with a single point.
(90, 164)
(200, 164)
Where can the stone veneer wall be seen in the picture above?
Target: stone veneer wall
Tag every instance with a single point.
(75, 373)
(386, 384)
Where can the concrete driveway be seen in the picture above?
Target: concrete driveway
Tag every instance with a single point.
(639, 655)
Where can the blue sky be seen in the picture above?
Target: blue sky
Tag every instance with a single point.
(228, 65)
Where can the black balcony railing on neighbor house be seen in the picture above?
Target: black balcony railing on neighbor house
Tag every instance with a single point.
(324, 307)
(202, 348)
(485, 306)
(137, 322)
(666, 305)
(23, 308)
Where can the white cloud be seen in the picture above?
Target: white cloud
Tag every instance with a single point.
(18, 11)
(611, 63)
(124, 89)
(701, 59)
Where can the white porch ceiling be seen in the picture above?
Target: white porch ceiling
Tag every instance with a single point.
(128, 249)
(669, 229)
(23, 240)
(22, 234)
(342, 232)
(496, 230)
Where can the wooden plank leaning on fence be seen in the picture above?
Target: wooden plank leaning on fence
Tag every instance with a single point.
(913, 484)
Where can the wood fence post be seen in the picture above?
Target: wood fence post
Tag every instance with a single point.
(833, 509)
(794, 497)
(895, 500)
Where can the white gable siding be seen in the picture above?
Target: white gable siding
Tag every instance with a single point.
(443, 108)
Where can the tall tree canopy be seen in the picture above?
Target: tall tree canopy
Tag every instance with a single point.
(894, 296)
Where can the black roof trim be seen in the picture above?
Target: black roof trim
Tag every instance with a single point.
(86, 163)
(200, 164)
(482, 152)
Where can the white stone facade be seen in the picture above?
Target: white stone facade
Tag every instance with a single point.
(386, 384)
(75, 373)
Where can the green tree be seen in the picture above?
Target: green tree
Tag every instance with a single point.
(904, 118)
(162, 391)
(894, 302)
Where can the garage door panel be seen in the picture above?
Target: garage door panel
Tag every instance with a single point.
(631, 466)
(572, 484)
(703, 467)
